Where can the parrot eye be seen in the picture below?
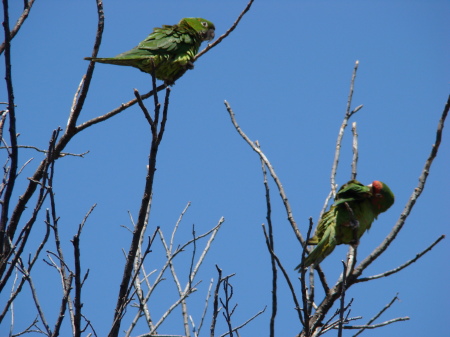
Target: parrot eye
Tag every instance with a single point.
(204, 24)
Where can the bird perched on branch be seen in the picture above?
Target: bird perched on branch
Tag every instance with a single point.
(356, 206)
(168, 51)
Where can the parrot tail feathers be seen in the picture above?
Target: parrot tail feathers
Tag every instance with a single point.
(111, 60)
(321, 251)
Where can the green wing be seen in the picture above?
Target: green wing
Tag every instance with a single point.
(328, 219)
(352, 191)
(324, 248)
(349, 192)
(169, 40)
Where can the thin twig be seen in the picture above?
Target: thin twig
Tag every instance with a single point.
(143, 108)
(355, 151)
(271, 247)
(348, 114)
(342, 304)
(374, 326)
(227, 313)
(403, 266)
(62, 154)
(172, 307)
(215, 43)
(81, 94)
(272, 173)
(37, 303)
(78, 281)
(208, 295)
(412, 200)
(175, 228)
(19, 23)
(246, 322)
(117, 110)
(378, 314)
(215, 302)
(306, 300)
(285, 274)
(335, 325)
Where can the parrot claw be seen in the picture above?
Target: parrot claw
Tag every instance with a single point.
(190, 65)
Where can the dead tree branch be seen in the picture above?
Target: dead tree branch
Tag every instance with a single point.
(412, 200)
(266, 161)
(19, 23)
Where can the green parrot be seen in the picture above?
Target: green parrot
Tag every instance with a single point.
(170, 49)
(338, 225)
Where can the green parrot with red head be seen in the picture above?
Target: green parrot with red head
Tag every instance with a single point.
(168, 51)
(356, 206)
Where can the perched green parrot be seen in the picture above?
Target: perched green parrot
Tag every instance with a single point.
(338, 225)
(170, 49)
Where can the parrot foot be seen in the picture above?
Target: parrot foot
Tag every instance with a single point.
(189, 65)
(354, 243)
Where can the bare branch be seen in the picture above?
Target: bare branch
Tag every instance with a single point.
(412, 200)
(36, 302)
(403, 266)
(337, 153)
(263, 157)
(142, 216)
(400, 319)
(246, 322)
(342, 304)
(355, 151)
(377, 315)
(118, 110)
(78, 282)
(227, 313)
(13, 294)
(306, 300)
(172, 238)
(19, 23)
(86, 80)
(216, 302)
(14, 154)
(143, 108)
(271, 247)
(173, 306)
(208, 295)
(215, 43)
(285, 274)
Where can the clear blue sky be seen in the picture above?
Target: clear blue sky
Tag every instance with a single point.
(286, 72)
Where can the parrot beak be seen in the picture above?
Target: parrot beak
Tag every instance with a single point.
(209, 35)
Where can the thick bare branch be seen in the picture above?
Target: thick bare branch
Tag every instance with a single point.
(12, 172)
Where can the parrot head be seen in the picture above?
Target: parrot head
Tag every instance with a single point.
(382, 196)
(202, 26)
